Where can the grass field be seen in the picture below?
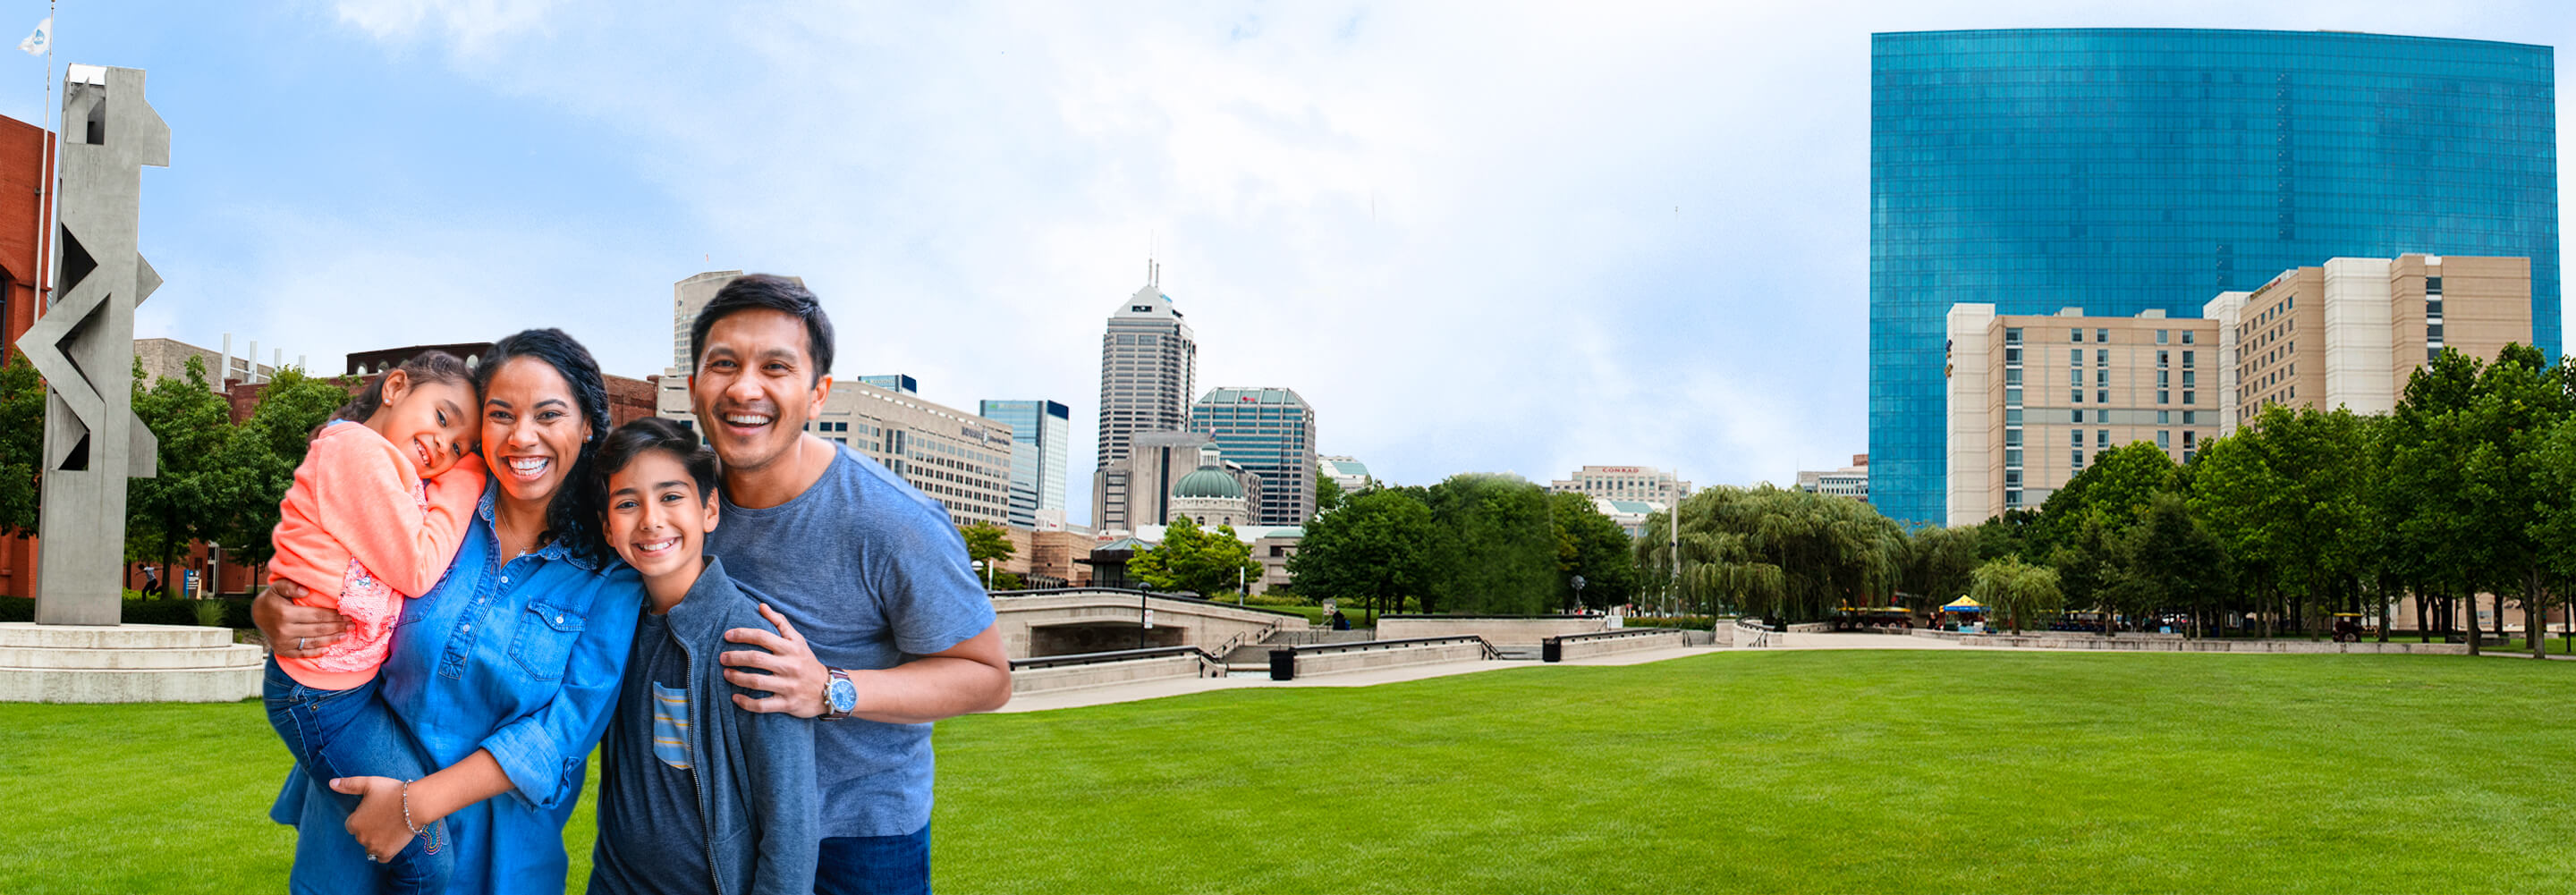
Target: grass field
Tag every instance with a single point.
(1793, 771)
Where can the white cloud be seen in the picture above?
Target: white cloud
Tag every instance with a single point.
(1494, 237)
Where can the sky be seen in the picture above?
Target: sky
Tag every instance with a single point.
(1476, 237)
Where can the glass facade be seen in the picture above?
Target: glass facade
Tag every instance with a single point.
(2120, 170)
(1039, 430)
(1271, 432)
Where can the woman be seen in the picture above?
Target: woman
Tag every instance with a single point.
(506, 672)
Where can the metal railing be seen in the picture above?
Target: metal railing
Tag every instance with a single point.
(1318, 649)
(1124, 655)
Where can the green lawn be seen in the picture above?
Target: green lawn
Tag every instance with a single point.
(1792, 771)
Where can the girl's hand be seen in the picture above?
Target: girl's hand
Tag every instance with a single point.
(378, 822)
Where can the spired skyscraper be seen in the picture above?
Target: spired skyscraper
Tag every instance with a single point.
(1149, 366)
(2123, 170)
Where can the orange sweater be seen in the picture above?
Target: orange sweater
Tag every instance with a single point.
(359, 531)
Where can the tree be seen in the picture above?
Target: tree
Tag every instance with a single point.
(2518, 400)
(1328, 495)
(2016, 590)
(2425, 497)
(1374, 551)
(1495, 547)
(1782, 554)
(1937, 562)
(22, 423)
(2554, 524)
(193, 489)
(987, 546)
(1591, 545)
(1195, 560)
(2166, 560)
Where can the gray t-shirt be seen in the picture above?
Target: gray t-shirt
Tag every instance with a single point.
(873, 573)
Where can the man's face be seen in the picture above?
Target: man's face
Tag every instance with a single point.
(755, 388)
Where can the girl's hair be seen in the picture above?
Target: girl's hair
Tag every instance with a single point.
(572, 517)
(657, 434)
(427, 366)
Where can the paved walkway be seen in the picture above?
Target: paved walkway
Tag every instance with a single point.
(1141, 690)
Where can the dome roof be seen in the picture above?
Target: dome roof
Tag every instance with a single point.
(1208, 481)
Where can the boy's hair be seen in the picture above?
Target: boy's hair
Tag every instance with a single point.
(657, 434)
(776, 293)
(427, 366)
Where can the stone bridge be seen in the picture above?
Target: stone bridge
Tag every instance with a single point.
(1098, 619)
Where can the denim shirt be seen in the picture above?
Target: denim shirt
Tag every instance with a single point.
(522, 658)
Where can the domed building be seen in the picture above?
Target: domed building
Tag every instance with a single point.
(1210, 497)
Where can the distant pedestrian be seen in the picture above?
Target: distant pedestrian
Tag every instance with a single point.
(1341, 622)
(151, 581)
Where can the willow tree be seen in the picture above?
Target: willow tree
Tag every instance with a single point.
(1779, 553)
(2013, 589)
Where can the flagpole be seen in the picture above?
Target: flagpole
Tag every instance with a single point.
(50, 146)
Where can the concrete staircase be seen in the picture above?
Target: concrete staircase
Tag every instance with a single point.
(125, 663)
(1259, 653)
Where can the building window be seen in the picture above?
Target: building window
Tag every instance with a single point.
(2433, 332)
(2012, 336)
(2102, 335)
(2075, 357)
(2186, 395)
(2162, 416)
(2075, 335)
(2162, 378)
(2076, 396)
(2012, 396)
(2102, 396)
(2186, 378)
(2012, 437)
(2187, 438)
(2012, 457)
(2079, 460)
(2012, 355)
(2186, 337)
(2101, 438)
(2012, 497)
(2164, 438)
(2079, 416)
(2076, 438)
(2101, 377)
(2186, 457)
(2186, 360)
(2160, 336)
(2012, 376)
(2187, 417)
(2164, 397)
(2163, 358)
(2012, 415)
(2101, 357)
(2433, 285)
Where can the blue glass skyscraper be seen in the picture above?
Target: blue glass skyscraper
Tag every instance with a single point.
(1039, 430)
(2120, 170)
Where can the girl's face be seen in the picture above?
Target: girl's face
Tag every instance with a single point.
(532, 429)
(427, 420)
(657, 520)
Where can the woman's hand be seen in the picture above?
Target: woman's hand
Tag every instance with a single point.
(295, 632)
(378, 823)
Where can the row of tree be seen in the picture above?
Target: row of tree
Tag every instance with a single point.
(218, 482)
(1474, 543)
(2467, 488)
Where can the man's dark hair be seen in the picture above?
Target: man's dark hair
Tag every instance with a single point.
(572, 516)
(654, 433)
(776, 293)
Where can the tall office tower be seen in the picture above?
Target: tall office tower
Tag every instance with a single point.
(2123, 170)
(1148, 370)
(1271, 432)
(688, 297)
(1039, 430)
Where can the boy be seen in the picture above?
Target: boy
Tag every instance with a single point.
(693, 797)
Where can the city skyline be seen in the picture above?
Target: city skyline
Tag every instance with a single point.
(1358, 202)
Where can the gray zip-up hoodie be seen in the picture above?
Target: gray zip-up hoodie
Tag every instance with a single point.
(755, 771)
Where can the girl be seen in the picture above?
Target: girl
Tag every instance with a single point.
(358, 531)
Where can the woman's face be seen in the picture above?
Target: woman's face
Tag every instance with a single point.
(532, 429)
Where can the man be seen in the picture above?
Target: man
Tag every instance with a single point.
(882, 626)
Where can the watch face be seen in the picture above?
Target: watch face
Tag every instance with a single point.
(844, 696)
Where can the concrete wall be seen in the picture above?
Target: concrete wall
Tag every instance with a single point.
(1497, 631)
(1597, 646)
(1414, 654)
(2129, 643)
(1040, 680)
(1204, 625)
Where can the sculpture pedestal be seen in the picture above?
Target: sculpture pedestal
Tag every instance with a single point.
(125, 663)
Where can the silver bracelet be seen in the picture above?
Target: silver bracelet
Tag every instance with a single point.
(406, 806)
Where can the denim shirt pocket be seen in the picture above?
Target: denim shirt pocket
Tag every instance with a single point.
(543, 644)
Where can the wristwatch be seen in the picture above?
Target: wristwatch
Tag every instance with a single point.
(840, 696)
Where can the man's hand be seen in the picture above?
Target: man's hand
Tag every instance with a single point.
(378, 822)
(796, 680)
(295, 632)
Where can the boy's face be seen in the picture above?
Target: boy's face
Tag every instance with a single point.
(657, 520)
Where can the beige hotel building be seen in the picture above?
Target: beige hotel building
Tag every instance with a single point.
(2348, 334)
(2032, 397)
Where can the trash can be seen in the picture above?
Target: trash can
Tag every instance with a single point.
(1549, 650)
(1283, 664)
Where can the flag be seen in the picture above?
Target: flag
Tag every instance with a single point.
(41, 40)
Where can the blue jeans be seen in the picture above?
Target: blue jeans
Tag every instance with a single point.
(874, 865)
(350, 733)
